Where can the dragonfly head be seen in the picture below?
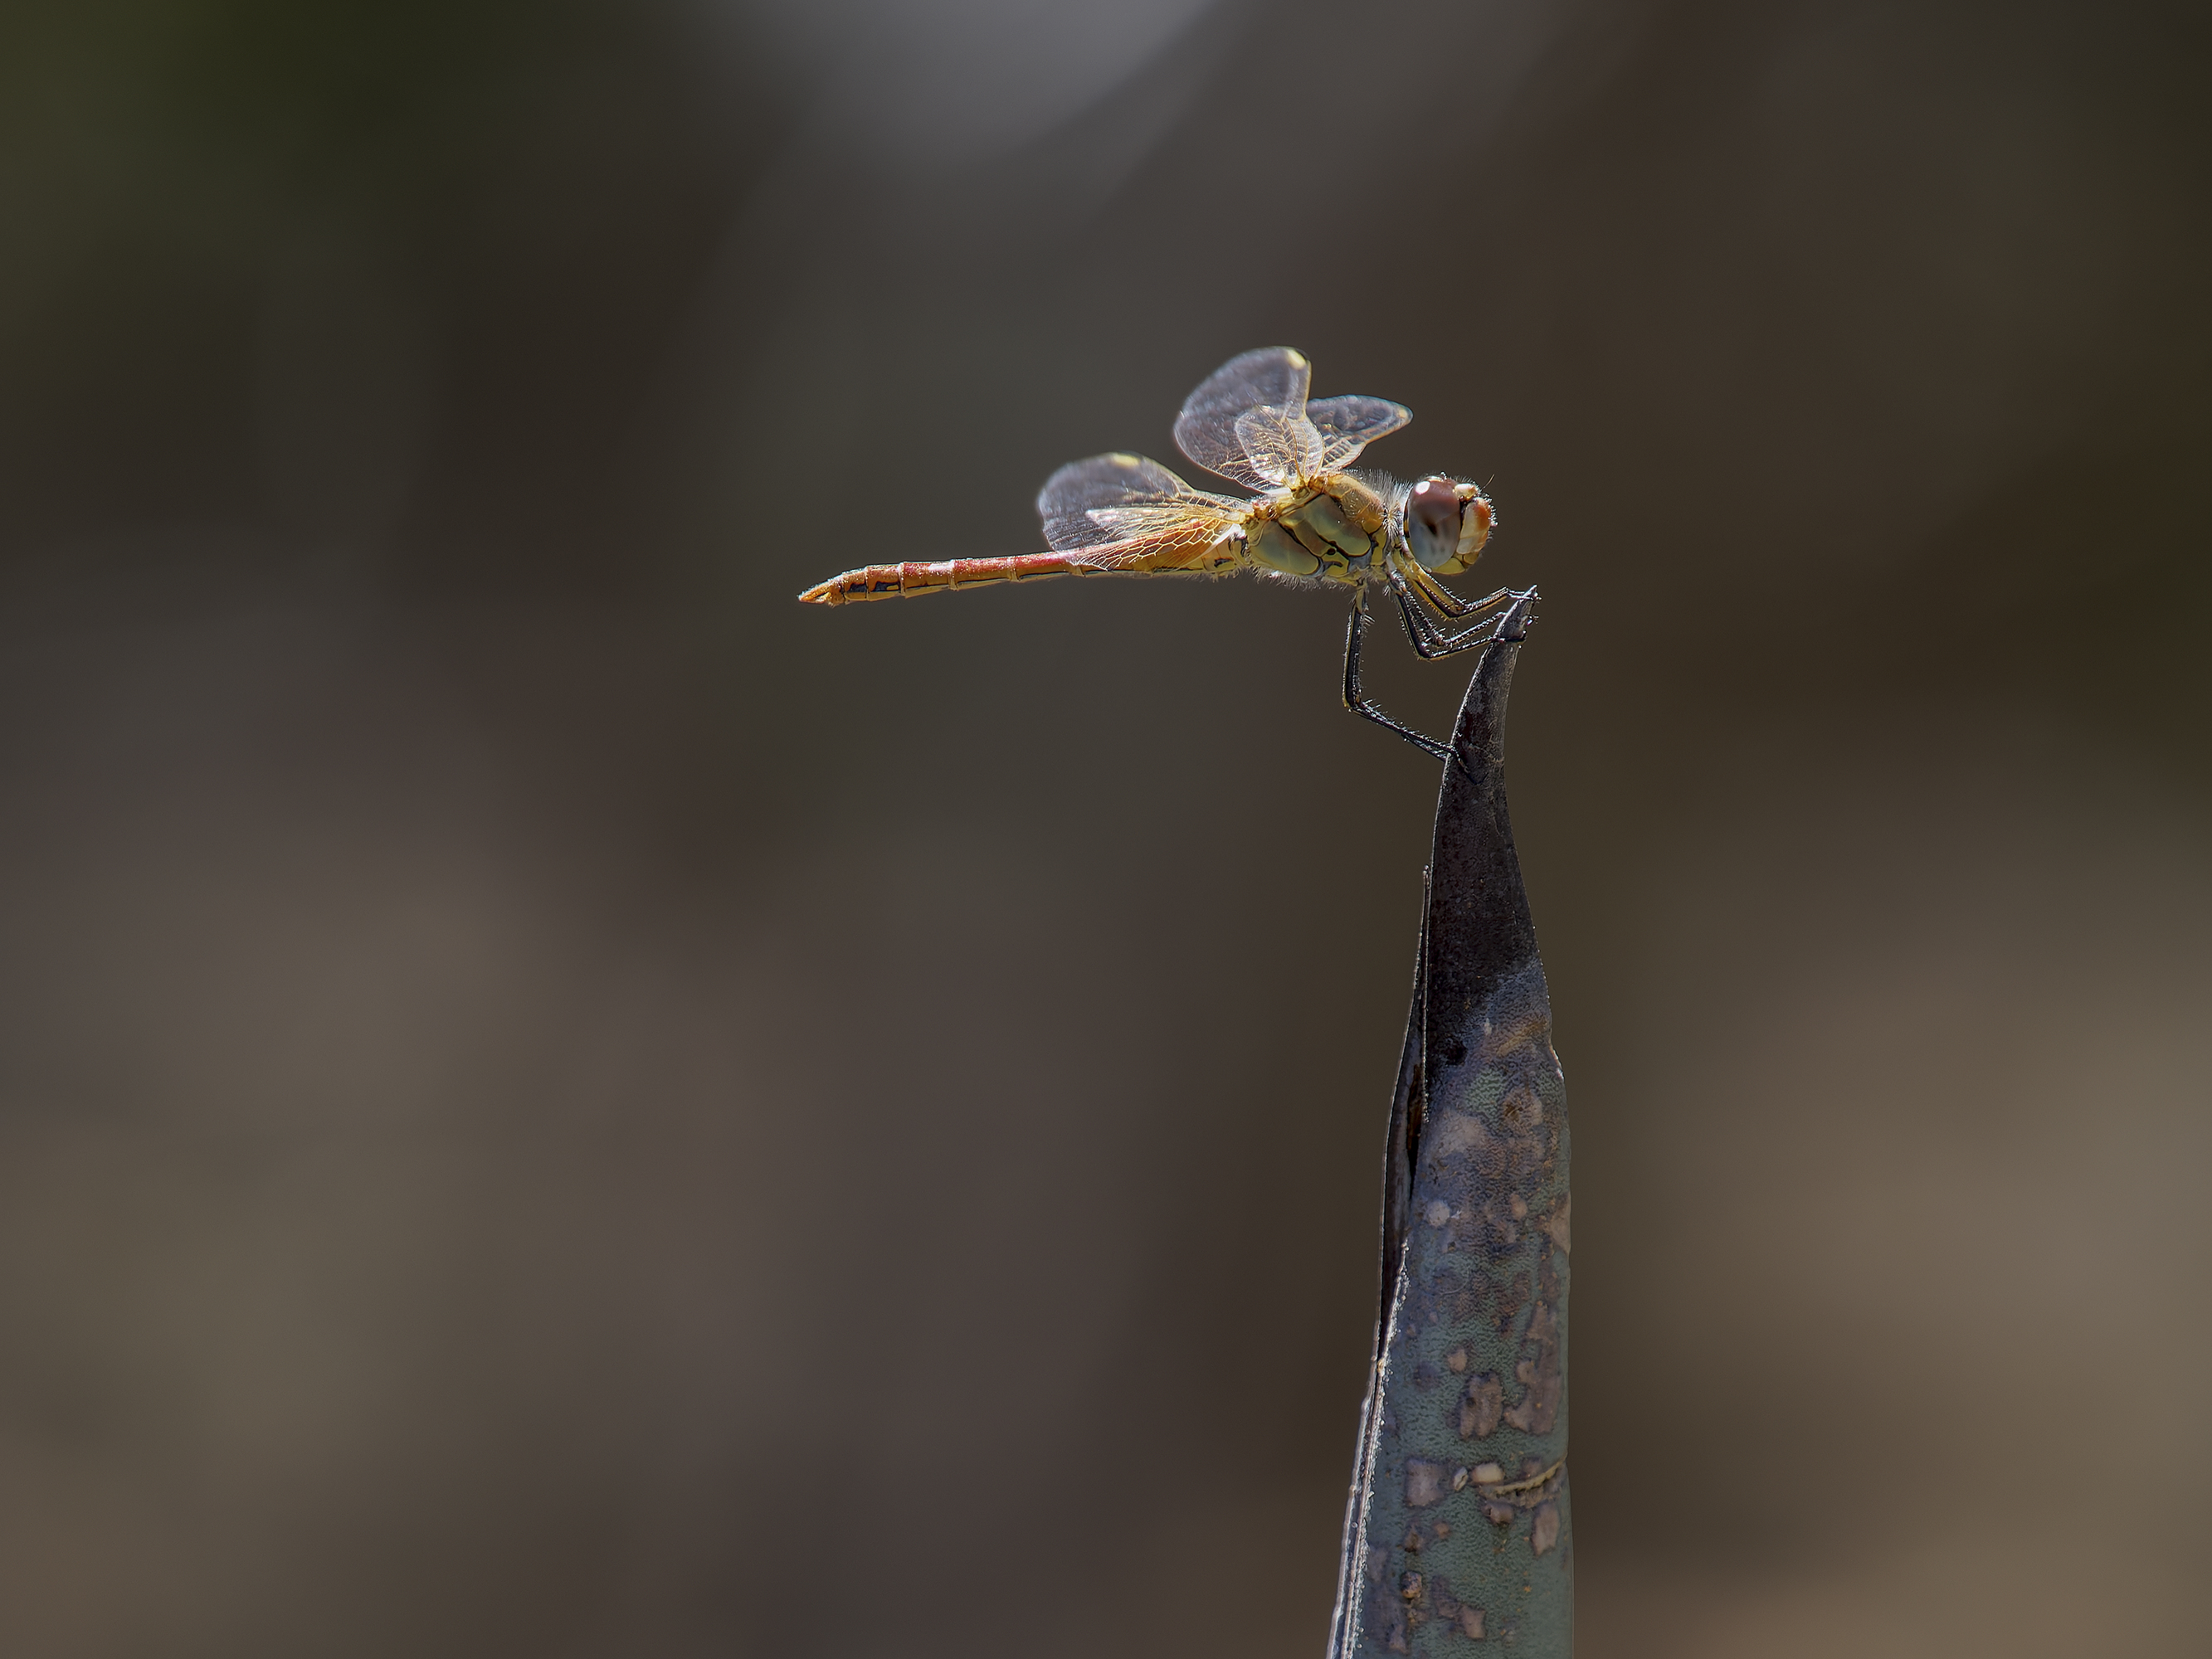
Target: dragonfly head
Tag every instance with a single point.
(1446, 524)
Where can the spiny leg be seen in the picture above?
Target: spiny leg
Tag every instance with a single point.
(1431, 643)
(1432, 640)
(1360, 703)
(1448, 604)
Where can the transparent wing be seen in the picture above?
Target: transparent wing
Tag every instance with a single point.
(1130, 523)
(1111, 498)
(1348, 425)
(1281, 445)
(1171, 549)
(1274, 379)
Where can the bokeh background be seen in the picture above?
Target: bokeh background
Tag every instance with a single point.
(553, 1101)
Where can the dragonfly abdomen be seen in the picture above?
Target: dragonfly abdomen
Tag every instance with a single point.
(893, 582)
(1180, 553)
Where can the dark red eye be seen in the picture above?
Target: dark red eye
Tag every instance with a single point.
(1434, 505)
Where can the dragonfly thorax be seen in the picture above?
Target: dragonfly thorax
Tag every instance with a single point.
(1332, 529)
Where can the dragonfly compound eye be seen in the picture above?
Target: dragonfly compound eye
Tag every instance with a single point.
(1433, 523)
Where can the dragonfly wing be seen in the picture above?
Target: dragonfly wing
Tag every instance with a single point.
(1190, 545)
(1281, 445)
(1348, 425)
(1128, 523)
(1110, 498)
(1207, 429)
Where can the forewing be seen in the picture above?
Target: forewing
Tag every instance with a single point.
(1348, 425)
(1273, 379)
(1111, 498)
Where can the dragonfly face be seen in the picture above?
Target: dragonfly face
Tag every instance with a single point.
(1307, 519)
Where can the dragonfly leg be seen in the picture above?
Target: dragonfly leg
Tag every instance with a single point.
(1448, 604)
(1360, 703)
(1432, 642)
(1431, 639)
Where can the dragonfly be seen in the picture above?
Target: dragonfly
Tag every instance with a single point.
(1309, 521)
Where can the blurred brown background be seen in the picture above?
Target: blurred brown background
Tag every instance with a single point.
(554, 1102)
